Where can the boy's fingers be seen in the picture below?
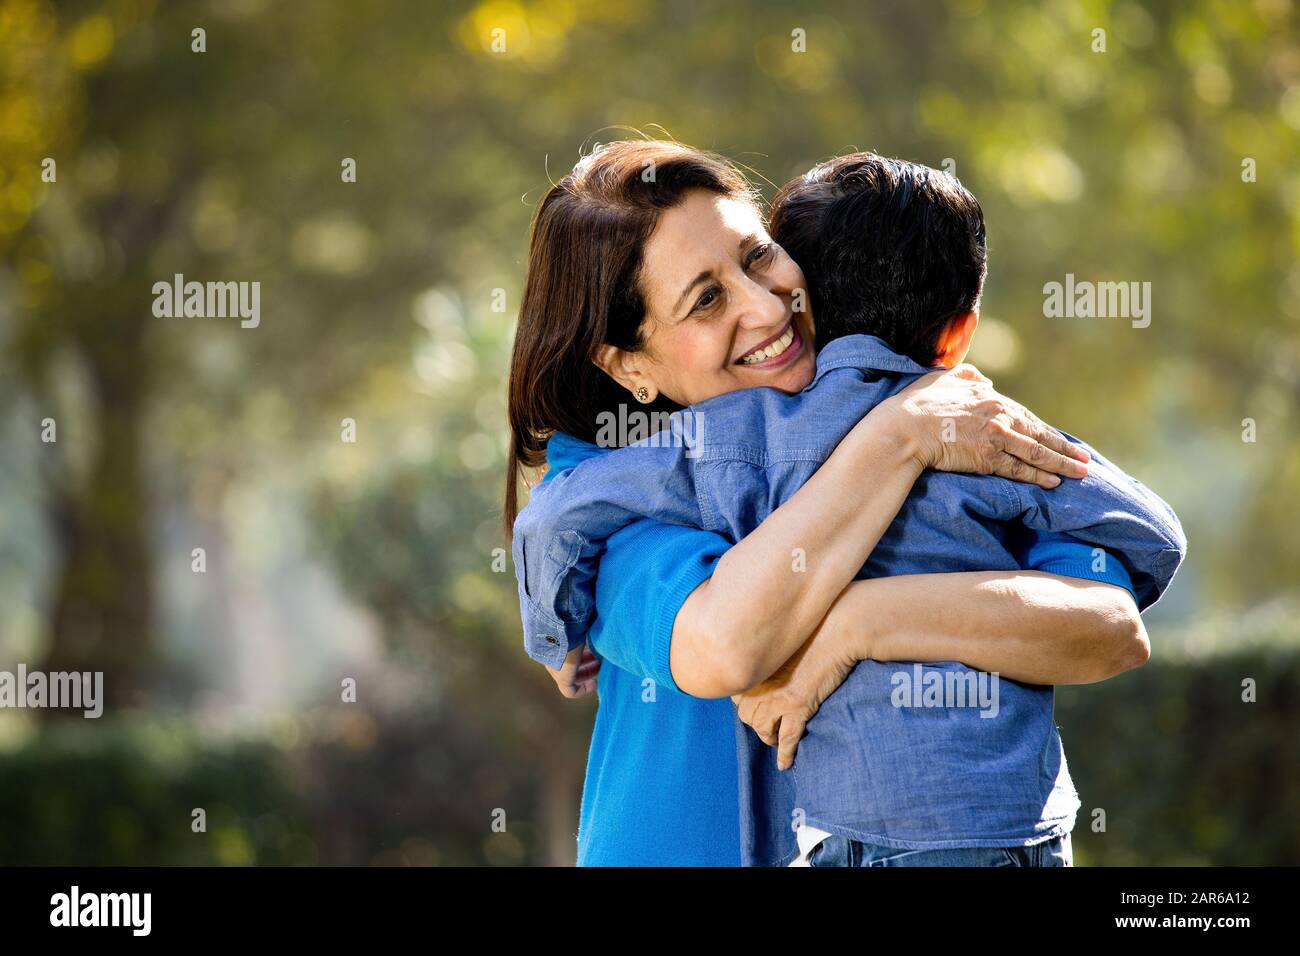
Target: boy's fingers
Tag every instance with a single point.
(576, 673)
(578, 688)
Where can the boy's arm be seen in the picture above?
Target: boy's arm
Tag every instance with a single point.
(1116, 514)
(560, 535)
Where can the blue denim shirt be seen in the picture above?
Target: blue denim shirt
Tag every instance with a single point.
(885, 760)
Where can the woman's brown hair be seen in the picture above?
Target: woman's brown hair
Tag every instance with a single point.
(582, 289)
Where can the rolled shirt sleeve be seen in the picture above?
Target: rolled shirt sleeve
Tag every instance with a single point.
(1114, 511)
(547, 638)
(560, 537)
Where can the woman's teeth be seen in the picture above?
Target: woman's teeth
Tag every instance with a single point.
(776, 348)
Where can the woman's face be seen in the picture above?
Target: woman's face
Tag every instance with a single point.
(720, 305)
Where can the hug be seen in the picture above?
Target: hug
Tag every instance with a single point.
(859, 504)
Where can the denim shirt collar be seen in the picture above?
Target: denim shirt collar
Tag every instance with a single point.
(864, 352)
(848, 351)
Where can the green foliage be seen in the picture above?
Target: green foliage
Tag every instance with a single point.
(410, 788)
(99, 794)
(421, 793)
(1187, 773)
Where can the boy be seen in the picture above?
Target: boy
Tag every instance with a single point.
(895, 255)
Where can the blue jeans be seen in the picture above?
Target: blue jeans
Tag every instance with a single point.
(841, 851)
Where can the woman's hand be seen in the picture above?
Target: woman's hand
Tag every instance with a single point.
(779, 708)
(577, 676)
(958, 422)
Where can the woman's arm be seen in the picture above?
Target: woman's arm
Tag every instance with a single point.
(1031, 627)
(1027, 626)
(755, 610)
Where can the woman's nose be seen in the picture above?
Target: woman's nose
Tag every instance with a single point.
(762, 307)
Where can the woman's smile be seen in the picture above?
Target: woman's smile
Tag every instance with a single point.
(774, 352)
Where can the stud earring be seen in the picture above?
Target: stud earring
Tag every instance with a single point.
(642, 394)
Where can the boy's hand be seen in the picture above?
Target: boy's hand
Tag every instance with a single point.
(577, 676)
(779, 708)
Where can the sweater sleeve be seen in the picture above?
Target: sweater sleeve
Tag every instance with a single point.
(646, 574)
(1069, 557)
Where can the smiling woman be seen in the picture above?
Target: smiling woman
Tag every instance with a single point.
(667, 291)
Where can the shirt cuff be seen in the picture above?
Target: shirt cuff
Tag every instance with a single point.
(547, 639)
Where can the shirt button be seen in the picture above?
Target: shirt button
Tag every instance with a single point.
(552, 639)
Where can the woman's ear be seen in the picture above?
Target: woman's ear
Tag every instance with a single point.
(626, 368)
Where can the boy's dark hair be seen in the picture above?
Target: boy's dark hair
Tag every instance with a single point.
(889, 248)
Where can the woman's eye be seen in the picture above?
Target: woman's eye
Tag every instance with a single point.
(710, 296)
(759, 254)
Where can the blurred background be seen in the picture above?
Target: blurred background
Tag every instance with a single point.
(1169, 157)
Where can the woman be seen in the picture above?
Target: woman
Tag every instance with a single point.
(630, 298)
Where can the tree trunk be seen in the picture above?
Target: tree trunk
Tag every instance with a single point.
(102, 610)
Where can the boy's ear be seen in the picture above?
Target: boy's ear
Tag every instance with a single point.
(625, 368)
(954, 340)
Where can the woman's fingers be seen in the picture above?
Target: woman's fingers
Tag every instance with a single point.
(1030, 425)
(1027, 437)
(1040, 456)
(744, 708)
(791, 732)
(766, 727)
(752, 713)
(1009, 466)
(775, 723)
